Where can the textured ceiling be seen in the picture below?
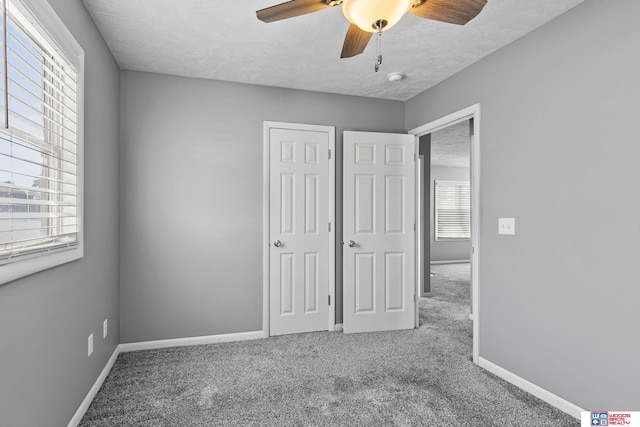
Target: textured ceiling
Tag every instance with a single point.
(451, 146)
(223, 40)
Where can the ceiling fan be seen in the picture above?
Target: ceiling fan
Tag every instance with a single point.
(374, 16)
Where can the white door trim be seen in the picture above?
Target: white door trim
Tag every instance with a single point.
(472, 112)
(420, 241)
(417, 288)
(331, 131)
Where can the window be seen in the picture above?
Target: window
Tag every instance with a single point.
(453, 210)
(40, 140)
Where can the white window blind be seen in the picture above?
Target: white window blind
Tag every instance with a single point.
(39, 188)
(452, 210)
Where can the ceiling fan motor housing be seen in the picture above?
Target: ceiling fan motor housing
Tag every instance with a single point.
(369, 15)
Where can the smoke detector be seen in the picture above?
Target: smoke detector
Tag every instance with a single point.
(396, 76)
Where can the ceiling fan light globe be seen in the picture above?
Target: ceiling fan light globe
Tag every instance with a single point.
(365, 13)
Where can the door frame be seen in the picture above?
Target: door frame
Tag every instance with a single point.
(471, 112)
(420, 224)
(266, 169)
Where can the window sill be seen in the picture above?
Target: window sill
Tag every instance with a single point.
(27, 267)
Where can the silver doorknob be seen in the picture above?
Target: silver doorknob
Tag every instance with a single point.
(277, 243)
(351, 243)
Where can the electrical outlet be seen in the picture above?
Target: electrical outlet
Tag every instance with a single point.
(89, 345)
(105, 326)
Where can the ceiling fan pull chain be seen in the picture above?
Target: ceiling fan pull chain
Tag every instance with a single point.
(379, 49)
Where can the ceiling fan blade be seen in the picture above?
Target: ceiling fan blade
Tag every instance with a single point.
(355, 41)
(451, 11)
(290, 9)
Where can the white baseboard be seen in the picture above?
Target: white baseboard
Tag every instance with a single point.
(338, 327)
(542, 394)
(151, 345)
(453, 261)
(182, 342)
(82, 409)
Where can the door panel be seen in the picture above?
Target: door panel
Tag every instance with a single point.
(311, 204)
(394, 205)
(298, 215)
(394, 283)
(287, 279)
(365, 214)
(287, 194)
(379, 217)
(311, 282)
(365, 279)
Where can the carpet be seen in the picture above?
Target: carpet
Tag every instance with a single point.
(421, 377)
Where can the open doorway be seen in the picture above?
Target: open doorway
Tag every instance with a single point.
(446, 219)
(435, 243)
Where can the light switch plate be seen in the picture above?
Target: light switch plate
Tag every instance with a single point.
(507, 226)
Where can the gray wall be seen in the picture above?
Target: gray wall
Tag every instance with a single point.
(444, 250)
(45, 319)
(191, 197)
(559, 128)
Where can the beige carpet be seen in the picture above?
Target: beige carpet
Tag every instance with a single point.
(421, 377)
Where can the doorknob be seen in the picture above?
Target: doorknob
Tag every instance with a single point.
(277, 243)
(351, 243)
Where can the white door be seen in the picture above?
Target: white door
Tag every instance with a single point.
(298, 231)
(378, 232)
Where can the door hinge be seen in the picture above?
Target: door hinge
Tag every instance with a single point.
(329, 297)
(329, 154)
(329, 227)
(415, 157)
(414, 297)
